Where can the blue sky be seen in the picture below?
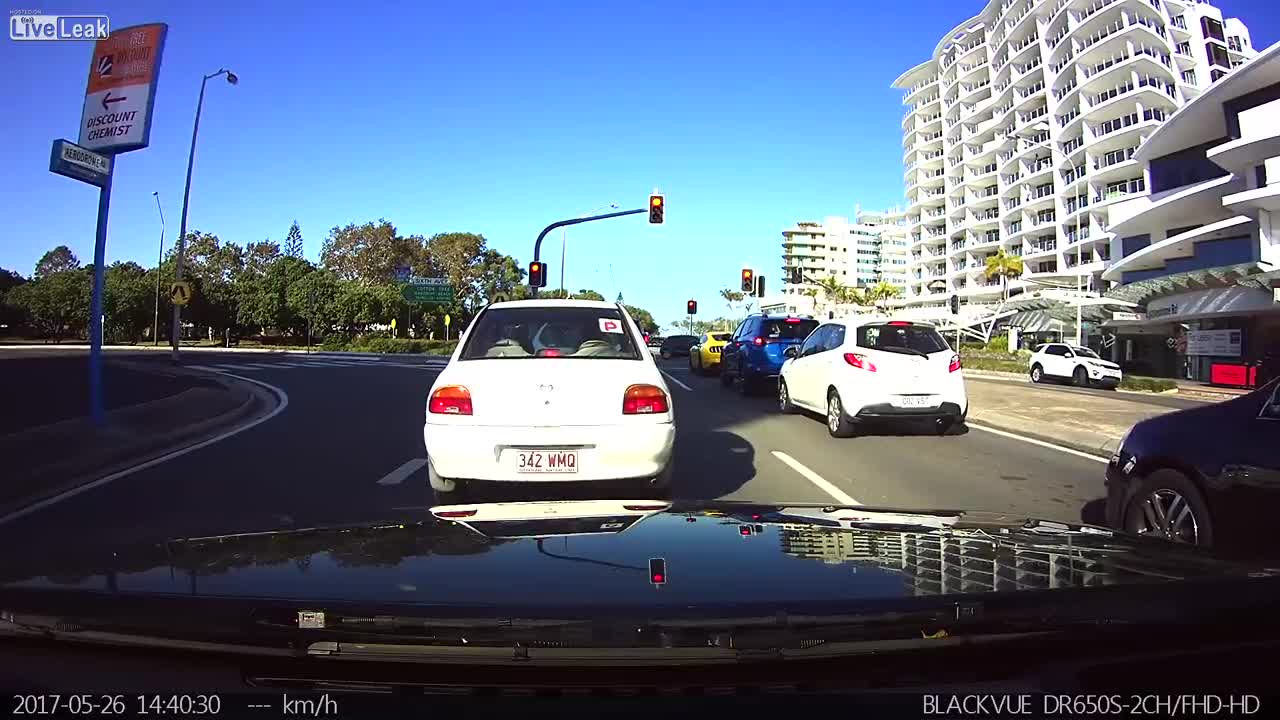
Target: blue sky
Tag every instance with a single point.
(497, 118)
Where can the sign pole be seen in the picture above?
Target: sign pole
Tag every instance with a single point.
(97, 409)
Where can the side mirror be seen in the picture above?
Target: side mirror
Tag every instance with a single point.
(791, 351)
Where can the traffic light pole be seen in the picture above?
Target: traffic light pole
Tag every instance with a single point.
(537, 245)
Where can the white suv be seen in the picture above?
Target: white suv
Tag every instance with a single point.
(1071, 362)
(874, 369)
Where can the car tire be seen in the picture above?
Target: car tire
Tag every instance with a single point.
(1080, 377)
(784, 399)
(1161, 489)
(744, 383)
(725, 378)
(440, 484)
(1037, 374)
(838, 423)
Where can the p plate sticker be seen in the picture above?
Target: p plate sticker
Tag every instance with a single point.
(310, 619)
(610, 326)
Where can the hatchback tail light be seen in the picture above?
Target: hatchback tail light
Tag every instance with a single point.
(860, 361)
(955, 364)
(450, 400)
(758, 341)
(644, 400)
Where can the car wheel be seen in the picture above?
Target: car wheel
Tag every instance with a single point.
(784, 398)
(1081, 377)
(745, 386)
(1167, 504)
(838, 423)
(437, 483)
(1037, 374)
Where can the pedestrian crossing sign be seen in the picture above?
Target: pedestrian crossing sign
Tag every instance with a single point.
(180, 292)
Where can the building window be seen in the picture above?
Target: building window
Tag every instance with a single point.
(1212, 29)
(1217, 55)
(1215, 75)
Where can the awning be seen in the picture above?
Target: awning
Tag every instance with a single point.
(1251, 274)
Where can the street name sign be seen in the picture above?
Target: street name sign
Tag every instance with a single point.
(77, 163)
(121, 91)
(428, 290)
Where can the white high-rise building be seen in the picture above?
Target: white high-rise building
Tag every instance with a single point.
(1020, 131)
(871, 249)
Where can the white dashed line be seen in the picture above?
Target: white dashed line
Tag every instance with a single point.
(206, 368)
(402, 473)
(1041, 443)
(673, 379)
(815, 478)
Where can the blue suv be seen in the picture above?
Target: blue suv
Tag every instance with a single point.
(755, 352)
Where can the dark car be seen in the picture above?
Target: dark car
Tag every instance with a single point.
(755, 353)
(635, 601)
(677, 345)
(1206, 476)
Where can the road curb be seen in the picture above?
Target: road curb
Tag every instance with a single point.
(134, 434)
(1176, 392)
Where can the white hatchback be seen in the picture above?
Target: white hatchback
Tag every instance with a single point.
(867, 369)
(550, 391)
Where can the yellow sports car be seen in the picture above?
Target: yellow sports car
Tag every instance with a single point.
(705, 356)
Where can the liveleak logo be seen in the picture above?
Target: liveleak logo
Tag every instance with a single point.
(31, 25)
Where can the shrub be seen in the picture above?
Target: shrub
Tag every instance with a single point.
(1147, 384)
(978, 362)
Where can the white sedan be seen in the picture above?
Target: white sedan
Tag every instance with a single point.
(868, 369)
(547, 391)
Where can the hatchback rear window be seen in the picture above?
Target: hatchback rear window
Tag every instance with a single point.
(921, 338)
(550, 332)
(789, 329)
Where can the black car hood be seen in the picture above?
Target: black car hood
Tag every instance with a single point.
(715, 556)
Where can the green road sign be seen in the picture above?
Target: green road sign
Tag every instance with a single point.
(428, 290)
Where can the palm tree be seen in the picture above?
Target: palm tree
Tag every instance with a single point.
(1004, 266)
(881, 292)
(833, 290)
(813, 294)
(731, 297)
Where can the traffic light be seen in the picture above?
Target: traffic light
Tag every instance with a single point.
(797, 276)
(955, 304)
(760, 286)
(658, 571)
(748, 280)
(693, 307)
(537, 274)
(657, 207)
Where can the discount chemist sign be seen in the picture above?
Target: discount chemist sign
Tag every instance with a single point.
(121, 89)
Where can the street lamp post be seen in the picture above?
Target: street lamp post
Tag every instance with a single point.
(1027, 134)
(232, 79)
(564, 239)
(155, 322)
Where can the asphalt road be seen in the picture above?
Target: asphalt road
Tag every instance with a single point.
(348, 449)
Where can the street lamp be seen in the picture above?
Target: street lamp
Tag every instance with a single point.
(155, 323)
(1028, 134)
(564, 239)
(232, 79)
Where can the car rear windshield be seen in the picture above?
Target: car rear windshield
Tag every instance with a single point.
(550, 332)
(678, 340)
(720, 337)
(787, 329)
(884, 336)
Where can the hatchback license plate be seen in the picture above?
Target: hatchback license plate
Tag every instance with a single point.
(547, 461)
(914, 401)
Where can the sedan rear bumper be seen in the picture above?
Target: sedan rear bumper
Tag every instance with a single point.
(886, 411)
(605, 452)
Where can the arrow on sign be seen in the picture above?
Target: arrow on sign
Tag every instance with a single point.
(107, 100)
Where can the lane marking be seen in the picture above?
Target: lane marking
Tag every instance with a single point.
(206, 368)
(402, 473)
(281, 395)
(673, 379)
(1041, 443)
(258, 366)
(815, 478)
(224, 367)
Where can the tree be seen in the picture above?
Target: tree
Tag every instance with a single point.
(314, 299)
(128, 302)
(833, 291)
(293, 241)
(59, 259)
(55, 304)
(215, 268)
(259, 256)
(731, 298)
(589, 295)
(262, 300)
(1004, 266)
(643, 318)
(370, 252)
(880, 293)
(11, 316)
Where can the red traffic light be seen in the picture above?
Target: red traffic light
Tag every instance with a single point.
(692, 307)
(658, 571)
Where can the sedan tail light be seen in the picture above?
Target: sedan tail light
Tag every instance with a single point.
(644, 400)
(450, 514)
(955, 364)
(860, 361)
(450, 400)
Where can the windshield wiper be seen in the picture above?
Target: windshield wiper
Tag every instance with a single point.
(904, 351)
